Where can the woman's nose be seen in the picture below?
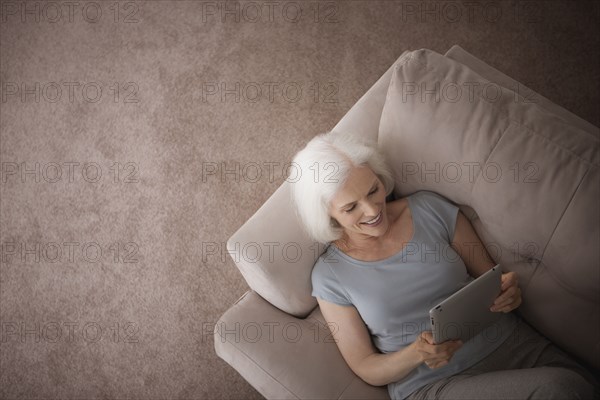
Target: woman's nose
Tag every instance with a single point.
(370, 209)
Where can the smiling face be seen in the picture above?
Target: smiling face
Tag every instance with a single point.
(359, 206)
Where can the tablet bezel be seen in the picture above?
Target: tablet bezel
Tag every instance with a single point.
(466, 312)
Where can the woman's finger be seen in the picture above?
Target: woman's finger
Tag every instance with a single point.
(510, 293)
(510, 306)
(508, 279)
(507, 303)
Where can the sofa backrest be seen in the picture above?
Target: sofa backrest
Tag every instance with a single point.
(529, 173)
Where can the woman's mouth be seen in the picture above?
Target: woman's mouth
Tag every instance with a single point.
(376, 221)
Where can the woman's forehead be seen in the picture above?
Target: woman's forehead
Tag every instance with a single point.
(359, 182)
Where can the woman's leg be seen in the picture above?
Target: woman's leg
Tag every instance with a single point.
(529, 383)
(527, 348)
(526, 365)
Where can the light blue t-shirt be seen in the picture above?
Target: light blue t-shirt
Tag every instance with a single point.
(393, 296)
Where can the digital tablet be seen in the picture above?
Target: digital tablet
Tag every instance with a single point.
(467, 312)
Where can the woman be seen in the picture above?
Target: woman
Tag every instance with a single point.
(387, 264)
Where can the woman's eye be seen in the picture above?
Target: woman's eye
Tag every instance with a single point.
(373, 192)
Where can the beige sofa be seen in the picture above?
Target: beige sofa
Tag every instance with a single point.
(546, 229)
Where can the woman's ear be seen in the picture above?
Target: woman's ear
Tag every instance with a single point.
(390, 197)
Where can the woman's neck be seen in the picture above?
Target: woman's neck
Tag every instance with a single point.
(366, 244)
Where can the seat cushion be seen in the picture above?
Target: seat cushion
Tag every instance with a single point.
(285, 357)
(529, 173)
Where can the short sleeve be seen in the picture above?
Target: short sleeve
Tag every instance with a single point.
(439, 211)
(326, 286)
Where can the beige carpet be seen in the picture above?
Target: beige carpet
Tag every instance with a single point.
(105, 287)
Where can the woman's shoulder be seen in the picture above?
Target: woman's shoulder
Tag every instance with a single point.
(428, 200)
(322, 269)
(428, 195)
(402, 202)
(422, 201)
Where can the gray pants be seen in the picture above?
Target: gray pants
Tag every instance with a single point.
(526, 366)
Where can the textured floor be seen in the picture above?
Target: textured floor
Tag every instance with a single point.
(105, 290)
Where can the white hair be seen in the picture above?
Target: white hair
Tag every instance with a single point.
(323, 167)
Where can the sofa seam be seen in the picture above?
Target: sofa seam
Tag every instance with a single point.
(525, 285)
(347, 386)
(406, 59)
(550, 141)
(560, 283)
(485, 162)
(550, 272)
(242, 296)
(563, 213)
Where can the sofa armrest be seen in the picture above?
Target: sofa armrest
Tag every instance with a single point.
(271, 249)
(276, 256)
(284, 357)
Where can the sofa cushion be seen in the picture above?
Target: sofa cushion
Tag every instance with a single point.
(459, 54)
(285, 357)
(529, 173)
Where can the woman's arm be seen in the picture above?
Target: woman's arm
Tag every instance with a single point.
(357, 349)
(478, 261)
(383, 369)
(377, 369)
(470, 248)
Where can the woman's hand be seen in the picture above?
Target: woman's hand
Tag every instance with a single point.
(510, 297)
(435, 355)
